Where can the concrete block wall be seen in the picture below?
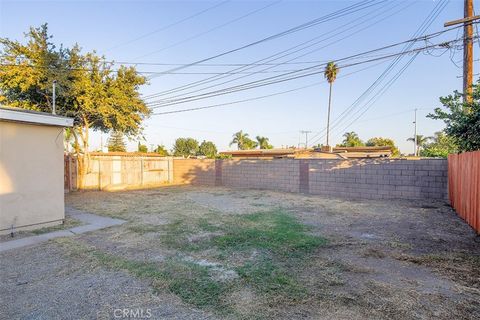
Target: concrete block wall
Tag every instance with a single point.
(280, 174)
(362, 178)
(379, 179)
(194, 171)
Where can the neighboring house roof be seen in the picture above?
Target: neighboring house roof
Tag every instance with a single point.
(260, 152)
(338, 153)
(34, 117)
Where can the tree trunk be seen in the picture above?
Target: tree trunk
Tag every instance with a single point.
(328, 116)
(83, 160)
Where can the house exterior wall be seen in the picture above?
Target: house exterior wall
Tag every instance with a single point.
(31, 176)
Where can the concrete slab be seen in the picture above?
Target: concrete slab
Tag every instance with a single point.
(92, 222)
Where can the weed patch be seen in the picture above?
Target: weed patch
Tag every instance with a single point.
(276, 231)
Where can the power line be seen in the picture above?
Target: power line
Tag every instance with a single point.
(270, 81)
(204, 81)
(271, 57)
(261, 97)
(328, 17)
(343, 59)
(250, 13)
(169, 25)
(423, 27)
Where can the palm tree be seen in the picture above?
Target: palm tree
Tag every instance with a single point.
(239, 138)
(331, 71)
(263, 143)
(421, 141)
(352, 140)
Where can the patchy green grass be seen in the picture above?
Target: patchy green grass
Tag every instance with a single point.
(272, 246)
(275, 231)
(190, 281)
(272, 279)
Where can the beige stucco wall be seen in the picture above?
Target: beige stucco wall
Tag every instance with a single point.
(31, 176)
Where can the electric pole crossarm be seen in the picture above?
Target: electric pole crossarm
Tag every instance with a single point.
(461, 21)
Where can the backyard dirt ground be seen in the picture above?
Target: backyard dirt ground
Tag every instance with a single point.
(208, 253)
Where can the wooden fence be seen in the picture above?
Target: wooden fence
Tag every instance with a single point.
(464, 186)
(119, 171)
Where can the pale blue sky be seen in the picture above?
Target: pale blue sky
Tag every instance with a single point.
(110, 26)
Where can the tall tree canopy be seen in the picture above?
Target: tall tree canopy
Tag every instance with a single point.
(263, 143)
(351, 139)
(440, 146)
(462, 119)
(185, 147)
(421, 142)
(142, 147)
(89, 89)
(243, 141)
(383, 142)
(116, 143)
(161, 150)
(207, 149)
(330, 73)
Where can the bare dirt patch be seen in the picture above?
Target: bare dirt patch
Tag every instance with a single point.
(252, 254)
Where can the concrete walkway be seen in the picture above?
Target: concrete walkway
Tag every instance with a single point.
(91, 222)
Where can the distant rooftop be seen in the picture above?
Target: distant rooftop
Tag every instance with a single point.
(337, 153)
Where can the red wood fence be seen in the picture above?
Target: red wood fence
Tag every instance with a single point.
(464, 186)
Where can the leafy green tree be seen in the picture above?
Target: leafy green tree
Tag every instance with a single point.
(239, 139)
(243, 141)
(28, 71)
(142, 148)
(161, 150)
(330, 73)
(68, 139)
(116, 143)
(249, 144)
(351, 139)
(383, 142)
(441, 146)
(185, 147)
(207, 149)
(263, 143)
(462, 119)
(421, 141)
(88, 88)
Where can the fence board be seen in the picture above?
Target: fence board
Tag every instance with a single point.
(125, 170)
(464, 186)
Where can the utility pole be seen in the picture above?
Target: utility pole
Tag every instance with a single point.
(305, 132)
(415, 134)
(467, 21)
(54, 97)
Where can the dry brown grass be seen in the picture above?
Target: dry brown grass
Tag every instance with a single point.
(382, 259)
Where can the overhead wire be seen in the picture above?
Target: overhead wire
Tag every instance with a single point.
(260, 97)
(284, 54)
(282, 78)
(169, 25)
(197, 35)
(422, 28)
(203, 81)
(334, 15)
